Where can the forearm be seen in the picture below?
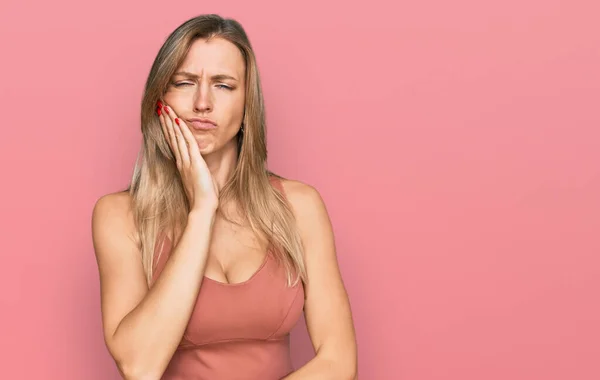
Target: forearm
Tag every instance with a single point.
(322, 368)
(147, 337)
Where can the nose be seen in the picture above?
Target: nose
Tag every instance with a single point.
(203, 98)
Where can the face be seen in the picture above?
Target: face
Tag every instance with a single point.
(209, 84)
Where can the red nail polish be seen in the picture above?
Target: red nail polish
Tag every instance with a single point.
(159, 103)
(177, 120)
(159, 113)
(166, 109)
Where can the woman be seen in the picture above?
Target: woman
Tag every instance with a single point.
(208, 259)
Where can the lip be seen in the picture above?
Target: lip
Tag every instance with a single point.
(202, 124)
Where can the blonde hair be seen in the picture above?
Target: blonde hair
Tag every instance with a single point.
(158, 198)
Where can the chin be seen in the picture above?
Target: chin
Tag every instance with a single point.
(206, 147)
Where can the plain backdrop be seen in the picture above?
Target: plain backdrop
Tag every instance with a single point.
(455, 144)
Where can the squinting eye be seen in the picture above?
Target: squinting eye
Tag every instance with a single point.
(181, 84)
(224, 87)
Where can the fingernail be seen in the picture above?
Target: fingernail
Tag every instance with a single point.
(159, 103)
(166, 109)
(177, 120)
(159, 113)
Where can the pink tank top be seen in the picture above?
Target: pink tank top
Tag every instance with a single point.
(239, 331)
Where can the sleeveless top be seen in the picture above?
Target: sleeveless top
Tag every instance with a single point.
(239, 330)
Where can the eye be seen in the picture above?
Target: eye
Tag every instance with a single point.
(224, 87)
(180, 84)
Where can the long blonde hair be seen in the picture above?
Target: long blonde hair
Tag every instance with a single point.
(158, 198)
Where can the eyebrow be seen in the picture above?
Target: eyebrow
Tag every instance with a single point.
(214, 77)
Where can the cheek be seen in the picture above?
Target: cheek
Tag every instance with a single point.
(178, 99)
(237, 105)
(230, 108)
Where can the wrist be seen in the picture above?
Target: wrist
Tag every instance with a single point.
(204, 212)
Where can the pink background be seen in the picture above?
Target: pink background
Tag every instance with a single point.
(455, 143)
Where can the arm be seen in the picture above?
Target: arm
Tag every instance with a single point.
(142, 327)
(327, 308)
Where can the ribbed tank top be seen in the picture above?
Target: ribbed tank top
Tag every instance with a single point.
(241, 330)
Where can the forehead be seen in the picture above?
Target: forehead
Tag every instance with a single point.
(215, 56)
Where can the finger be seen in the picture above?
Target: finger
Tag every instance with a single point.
(194, 151)
(170, 133)
(163, 126)
(182, 143)
(171, 130)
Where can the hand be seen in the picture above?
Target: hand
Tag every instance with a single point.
(200, 187)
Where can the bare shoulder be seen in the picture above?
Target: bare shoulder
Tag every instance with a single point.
(112, 213)
(113, 206)
(302, 196)
(116, 201)
(309, 210)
